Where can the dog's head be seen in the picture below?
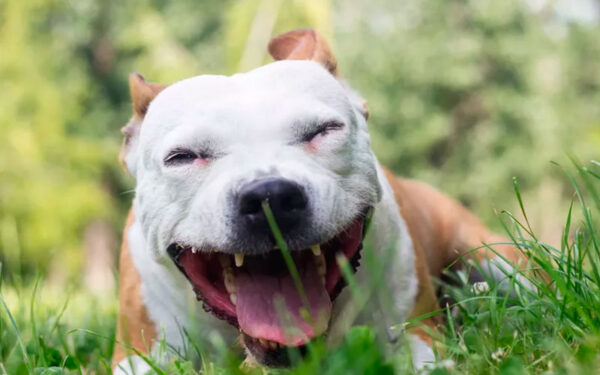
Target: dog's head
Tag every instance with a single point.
(208, 152)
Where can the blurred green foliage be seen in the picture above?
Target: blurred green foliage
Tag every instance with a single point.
(463, 93)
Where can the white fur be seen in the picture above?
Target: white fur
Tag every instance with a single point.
(422, 354)
(249, 121)
(132, 365)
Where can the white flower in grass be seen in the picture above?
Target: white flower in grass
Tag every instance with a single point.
(480, 287)
(446, 364)
(498, 355)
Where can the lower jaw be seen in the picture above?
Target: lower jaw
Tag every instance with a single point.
(269, 355)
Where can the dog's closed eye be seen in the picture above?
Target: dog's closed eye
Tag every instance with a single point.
(180, 156)
(321, 130)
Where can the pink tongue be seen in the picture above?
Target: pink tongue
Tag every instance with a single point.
(268, 306)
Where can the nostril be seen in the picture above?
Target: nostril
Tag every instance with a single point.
(285, 197)
(293, 200)
(250, 204)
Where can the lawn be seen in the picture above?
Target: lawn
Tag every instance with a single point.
(552, 329)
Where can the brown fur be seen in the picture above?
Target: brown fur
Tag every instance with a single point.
(134, 327)
(305, 44)
(142, 93)
(443, 232)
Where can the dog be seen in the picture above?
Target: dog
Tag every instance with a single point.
(211, 153)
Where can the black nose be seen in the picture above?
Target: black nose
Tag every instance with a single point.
(287, 200)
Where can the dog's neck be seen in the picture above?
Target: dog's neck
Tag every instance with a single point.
(390, 241)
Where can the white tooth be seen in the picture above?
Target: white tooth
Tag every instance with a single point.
(193, 250)
(229, 280)
(239, 259)
(179, 246)
(316, 249)
(233, 298)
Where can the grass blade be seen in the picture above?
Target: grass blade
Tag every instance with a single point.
(289, 261)
(26, 358)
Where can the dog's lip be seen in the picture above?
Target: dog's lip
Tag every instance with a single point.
(176, 247)
(269, 355)
(214, 295)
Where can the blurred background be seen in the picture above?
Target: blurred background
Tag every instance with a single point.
(464, 94)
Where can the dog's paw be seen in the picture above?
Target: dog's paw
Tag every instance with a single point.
(422, 353)
(132, 365)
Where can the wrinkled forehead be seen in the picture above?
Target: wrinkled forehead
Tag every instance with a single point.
(280, 92)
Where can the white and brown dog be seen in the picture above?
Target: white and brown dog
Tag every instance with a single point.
(207, 151)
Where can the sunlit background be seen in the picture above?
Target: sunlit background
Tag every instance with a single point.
(464, 94)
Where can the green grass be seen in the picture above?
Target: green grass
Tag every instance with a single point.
(554, 329)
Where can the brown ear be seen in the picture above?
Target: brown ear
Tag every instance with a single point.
(307, 44)
(303, 44)
(142, 93)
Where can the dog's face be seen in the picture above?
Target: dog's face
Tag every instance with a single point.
(212, 151)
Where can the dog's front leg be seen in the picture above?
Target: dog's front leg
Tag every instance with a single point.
(408, 278)
(131, 365)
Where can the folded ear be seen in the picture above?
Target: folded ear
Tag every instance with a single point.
(303, 44)
(307, 44)
(142, 94)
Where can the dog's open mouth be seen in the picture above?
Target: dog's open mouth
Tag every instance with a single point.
(259, 295)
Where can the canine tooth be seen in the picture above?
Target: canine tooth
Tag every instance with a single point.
(316, 249)
(264, 342)
(321, 265)
(179, 246)
(233, 299)
(273, 345)
(229, 280)
(194, 250)
(239, 259)
(322, 269)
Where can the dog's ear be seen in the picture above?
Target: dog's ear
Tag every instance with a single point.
(142, 94)
(307, 44)
(303, 44)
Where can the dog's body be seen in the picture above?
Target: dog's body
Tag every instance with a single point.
(213, 149)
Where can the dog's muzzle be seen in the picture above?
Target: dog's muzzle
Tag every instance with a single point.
(254, 288)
